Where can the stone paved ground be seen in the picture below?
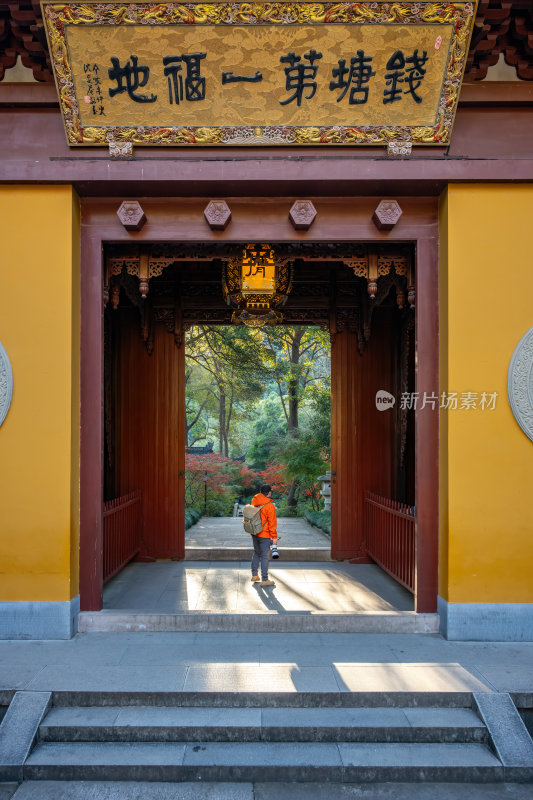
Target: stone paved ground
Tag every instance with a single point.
(228, 532)
(174, 586)
(108, 790)
(290, 662)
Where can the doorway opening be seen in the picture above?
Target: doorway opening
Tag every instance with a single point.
(352, 306)
(257, 412)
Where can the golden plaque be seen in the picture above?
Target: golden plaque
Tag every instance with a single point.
(258, 73)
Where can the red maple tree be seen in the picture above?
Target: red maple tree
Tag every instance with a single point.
(220, 474)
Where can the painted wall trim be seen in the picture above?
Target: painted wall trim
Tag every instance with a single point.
(23, 619)
(520, 383)
(486, 622)
(6, 383)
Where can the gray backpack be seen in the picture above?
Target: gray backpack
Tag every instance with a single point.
(251, 518)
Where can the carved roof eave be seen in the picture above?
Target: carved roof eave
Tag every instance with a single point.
(501, 27)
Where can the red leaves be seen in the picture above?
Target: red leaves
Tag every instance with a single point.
(275, 475)
(213, 469)
(219, 473)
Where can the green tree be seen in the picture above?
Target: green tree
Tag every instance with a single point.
(268, 430)
(234, 363)
(200, 402)
(304, 460)
(318, 414)
(301, 356)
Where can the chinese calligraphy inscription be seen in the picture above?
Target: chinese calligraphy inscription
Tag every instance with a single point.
(286, 76)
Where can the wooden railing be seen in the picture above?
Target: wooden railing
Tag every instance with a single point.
(390, 537)
(122, 532)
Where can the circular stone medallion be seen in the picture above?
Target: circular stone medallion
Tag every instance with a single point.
(520, 383)
(6, 383)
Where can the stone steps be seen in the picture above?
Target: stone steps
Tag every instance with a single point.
(272, 737)
(281, 724)
(262, 761)
(343, 738)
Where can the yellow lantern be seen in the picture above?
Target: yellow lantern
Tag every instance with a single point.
(257, 284)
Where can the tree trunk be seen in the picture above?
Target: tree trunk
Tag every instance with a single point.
(221, 421)
(294, 384)
(293, 403)
(227, 425)
(292, 499)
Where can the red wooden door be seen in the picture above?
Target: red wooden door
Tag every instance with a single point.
(361, 435)
(345, 533)
(151, 435)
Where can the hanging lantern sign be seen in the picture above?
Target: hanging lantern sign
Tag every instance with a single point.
(258, 270)
(257, 284)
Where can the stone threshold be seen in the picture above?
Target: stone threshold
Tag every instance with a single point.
(259, 622)
(299, 554)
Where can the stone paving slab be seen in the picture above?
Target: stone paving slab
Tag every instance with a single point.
(364, 754)
(508, 679)
(256, 754)
(234, 554)
(113, 790)
(408, 677)
(250, 677)
(167, 587)
(17, 676)
(107, 754)
(158, 661)
(129, 790)
(389, 791)
(128, 678)
(228, 532)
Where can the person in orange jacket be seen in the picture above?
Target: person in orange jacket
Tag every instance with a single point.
(269, 533)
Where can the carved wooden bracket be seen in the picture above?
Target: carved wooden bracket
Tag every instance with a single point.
(302, 215)
(374, 266)
(401, 149)
(386, 215)
(143, 265)
(120, 151)
(380, 268)
(131, 215)
(217, 214)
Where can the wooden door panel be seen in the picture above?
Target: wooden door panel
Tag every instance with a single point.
(361, 435)
(151, 439)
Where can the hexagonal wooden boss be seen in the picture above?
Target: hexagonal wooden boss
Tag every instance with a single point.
(302, 215)
(386, 215)
(217, 215)
(131, 215)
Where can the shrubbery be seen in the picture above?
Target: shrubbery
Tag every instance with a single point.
(221, 506)
(192, 515)
(320, 519)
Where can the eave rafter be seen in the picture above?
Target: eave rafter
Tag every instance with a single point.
(502, 28)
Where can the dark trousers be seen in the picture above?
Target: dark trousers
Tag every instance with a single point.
(261, 554)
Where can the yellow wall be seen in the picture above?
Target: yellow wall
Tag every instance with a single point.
(486, 461)
(39, 440)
